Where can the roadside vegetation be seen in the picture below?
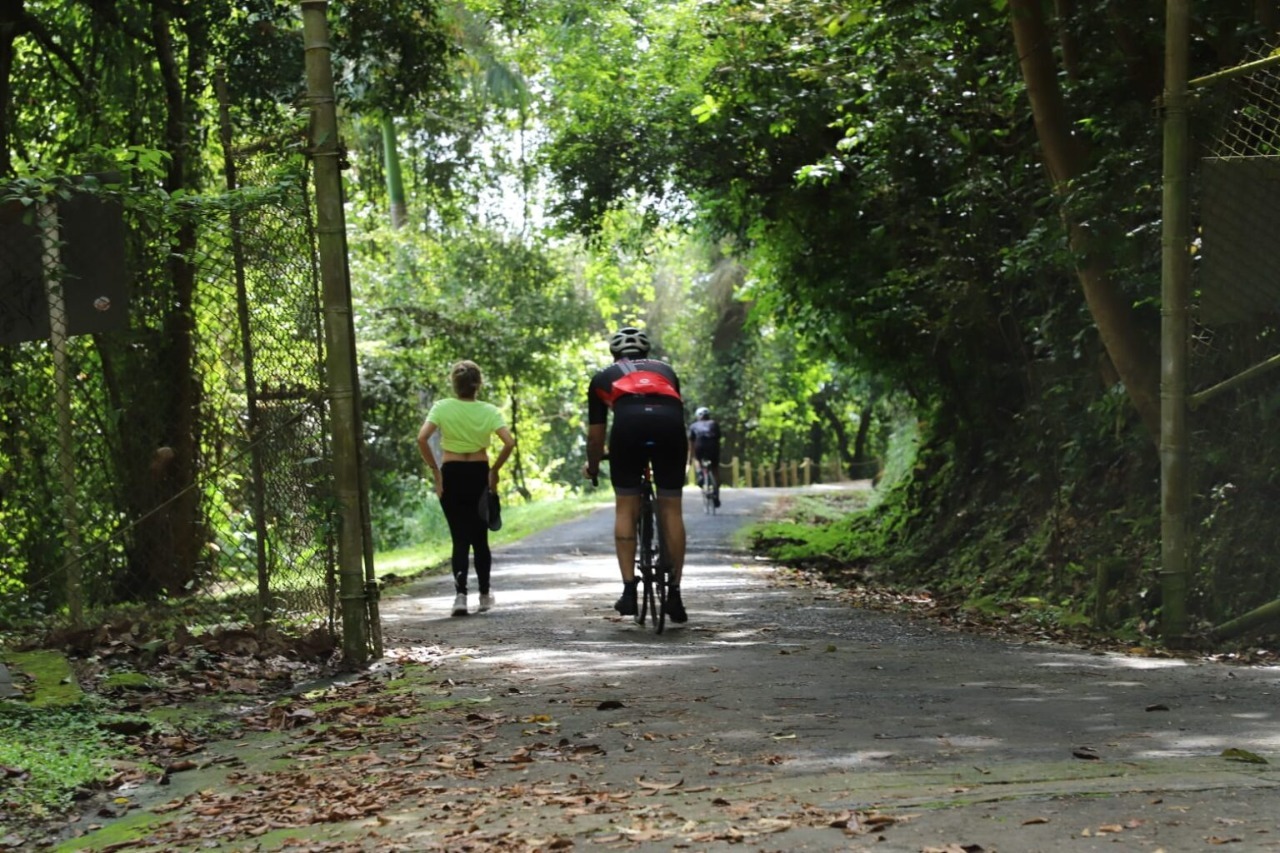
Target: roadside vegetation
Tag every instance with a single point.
(130, 712)
(834, 219)
(911, 241)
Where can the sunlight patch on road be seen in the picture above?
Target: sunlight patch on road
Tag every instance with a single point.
(1113, 662)
(609, 659)
(847, 761)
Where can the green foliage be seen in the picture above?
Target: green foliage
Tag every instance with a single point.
(625, 77)
(424, 304)
(1024, 539)
(392, 55)
(831, 216)
(57, 752)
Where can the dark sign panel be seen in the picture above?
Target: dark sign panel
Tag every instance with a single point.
(95, 283)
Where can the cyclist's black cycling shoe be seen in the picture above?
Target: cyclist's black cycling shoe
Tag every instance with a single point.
(627, 605)
(675, 607)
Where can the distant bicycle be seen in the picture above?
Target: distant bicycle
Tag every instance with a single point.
(708, 479)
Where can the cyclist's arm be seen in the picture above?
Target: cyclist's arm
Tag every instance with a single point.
(595, 449)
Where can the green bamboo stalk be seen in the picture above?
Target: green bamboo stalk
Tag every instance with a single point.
(340, 358)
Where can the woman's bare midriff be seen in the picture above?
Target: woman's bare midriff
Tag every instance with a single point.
(473, 456)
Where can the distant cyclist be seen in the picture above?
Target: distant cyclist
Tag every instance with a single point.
(648, 427)
(704, 447)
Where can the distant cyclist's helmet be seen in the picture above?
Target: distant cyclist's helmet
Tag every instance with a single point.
(630, 342)
(703, 412)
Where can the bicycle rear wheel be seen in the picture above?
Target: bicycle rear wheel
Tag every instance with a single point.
(646, 561)
(660, 599)
(709, 492)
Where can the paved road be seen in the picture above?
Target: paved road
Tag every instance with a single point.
(792, 720)
(780, 718)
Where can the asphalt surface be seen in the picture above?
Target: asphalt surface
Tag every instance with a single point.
(783, 717)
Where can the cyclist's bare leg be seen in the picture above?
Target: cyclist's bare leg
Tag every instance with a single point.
(671, 519)
(626, 513)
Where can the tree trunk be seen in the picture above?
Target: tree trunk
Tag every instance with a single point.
(863, 467)
(1266, 13)
(822, 406)
(727, 336)
(1065, 158)
(12, 25)
(175, 532)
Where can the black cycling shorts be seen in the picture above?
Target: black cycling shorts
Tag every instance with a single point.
(647, 430)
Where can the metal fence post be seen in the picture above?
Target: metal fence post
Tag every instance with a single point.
(1175, 297)
(58, 340)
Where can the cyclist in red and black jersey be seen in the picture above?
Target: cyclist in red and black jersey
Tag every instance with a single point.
(648, 427)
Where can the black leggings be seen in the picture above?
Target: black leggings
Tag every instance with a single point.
(464, 483)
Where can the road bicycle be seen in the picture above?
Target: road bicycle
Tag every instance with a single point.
(652, 568)
(708, 487)
(651, 562)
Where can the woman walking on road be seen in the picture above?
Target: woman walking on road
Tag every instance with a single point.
(463, 476)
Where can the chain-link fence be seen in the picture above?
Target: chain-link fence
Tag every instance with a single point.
(163, 450)
(1235, 450)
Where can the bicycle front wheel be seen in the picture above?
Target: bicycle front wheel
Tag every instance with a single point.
(661, 574)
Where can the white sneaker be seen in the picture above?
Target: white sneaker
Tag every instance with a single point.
(460, 604)
(486, 601)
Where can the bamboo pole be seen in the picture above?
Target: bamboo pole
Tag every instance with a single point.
(1175, 299)
(1258, 616)
(395, 182)
(1198, 399)
(1237, 71)
(343, 391)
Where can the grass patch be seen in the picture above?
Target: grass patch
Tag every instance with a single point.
(49, 680)
(51, 753)
(811, 530)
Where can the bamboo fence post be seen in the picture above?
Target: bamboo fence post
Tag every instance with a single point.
(343, 388)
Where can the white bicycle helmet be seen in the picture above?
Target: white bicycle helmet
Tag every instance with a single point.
(629, 341)
(702, 412)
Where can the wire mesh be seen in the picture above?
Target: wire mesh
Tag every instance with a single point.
(175, 466)
(1236, 307)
